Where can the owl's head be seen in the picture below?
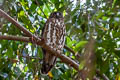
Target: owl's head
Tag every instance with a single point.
(56, 15)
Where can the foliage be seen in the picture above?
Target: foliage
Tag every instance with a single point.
(83, 18)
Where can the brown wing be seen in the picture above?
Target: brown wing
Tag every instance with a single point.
(54, 36)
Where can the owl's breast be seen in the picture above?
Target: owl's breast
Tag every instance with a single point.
(54, 33)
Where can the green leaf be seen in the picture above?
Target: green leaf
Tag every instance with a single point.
(26, 69)
(69, 42)
(33, 7)
(21, 13)
(80, 45)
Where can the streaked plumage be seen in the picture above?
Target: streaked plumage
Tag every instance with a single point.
(54, 36)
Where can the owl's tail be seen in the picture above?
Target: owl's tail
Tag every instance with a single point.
(46, 68)
(48, 63)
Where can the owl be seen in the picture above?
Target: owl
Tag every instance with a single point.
(54, 36)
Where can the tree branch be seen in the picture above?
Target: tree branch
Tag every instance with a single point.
(64, 58)
(26, 39)
(40, 42)
(16, 38)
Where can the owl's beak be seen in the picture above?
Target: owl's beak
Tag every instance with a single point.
(57, 14)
